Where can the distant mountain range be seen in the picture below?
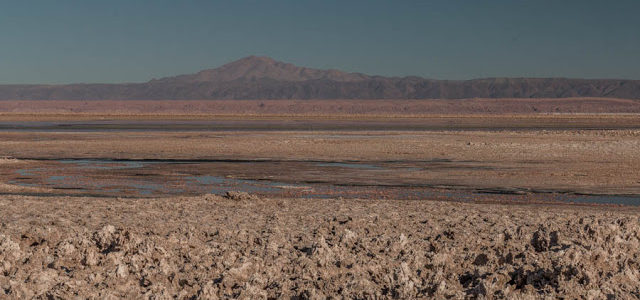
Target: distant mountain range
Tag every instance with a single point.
(264, 78)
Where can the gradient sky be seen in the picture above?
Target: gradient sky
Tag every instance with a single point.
(133, 41)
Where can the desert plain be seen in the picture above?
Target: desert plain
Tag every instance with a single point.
(155, 200)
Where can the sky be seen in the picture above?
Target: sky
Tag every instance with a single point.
(116, 41)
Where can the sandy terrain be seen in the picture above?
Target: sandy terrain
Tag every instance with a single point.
(320, 107)
(248, 247)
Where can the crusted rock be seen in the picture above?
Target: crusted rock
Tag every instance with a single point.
(240, 196)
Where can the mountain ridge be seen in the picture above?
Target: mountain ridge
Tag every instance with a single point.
(260, 77)
(260, 67)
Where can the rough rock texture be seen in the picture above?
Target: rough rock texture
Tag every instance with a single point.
(239, 196)
(214, 247)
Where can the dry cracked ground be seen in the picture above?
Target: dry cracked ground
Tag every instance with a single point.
(242, 246)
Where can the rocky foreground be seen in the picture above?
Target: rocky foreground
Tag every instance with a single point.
(247, 247)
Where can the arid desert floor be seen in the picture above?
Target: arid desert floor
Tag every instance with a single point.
(441, 206)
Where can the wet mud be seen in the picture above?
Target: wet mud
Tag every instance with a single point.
(269, 178)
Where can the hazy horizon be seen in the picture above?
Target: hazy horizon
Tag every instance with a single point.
(118, 41)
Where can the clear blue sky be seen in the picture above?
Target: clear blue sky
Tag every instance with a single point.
(119, 41)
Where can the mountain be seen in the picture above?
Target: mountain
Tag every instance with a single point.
(255, 68)
(265, 78)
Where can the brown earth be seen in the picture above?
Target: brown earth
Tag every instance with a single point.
(331, 108)
(247, 247)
